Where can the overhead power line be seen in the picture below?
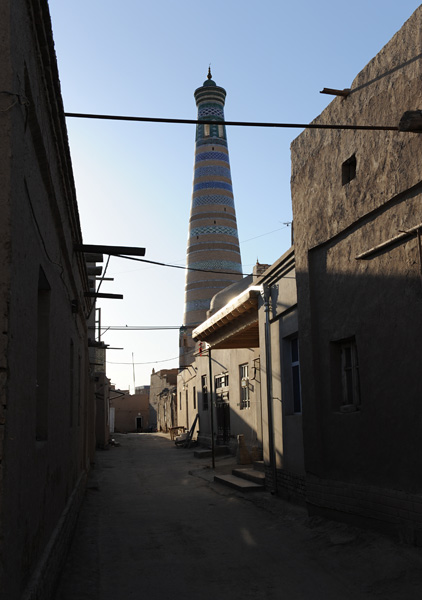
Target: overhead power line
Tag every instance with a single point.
(233, 123)
(160, 264)
(137, 327)
(151, 362)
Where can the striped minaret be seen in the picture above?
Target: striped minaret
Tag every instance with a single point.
(213, 243)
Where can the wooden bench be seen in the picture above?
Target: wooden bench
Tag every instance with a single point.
(174, 431)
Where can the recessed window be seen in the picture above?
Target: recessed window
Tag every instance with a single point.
(206, 130)
(294, 355)
(220, 131)
(204, 387)
(350, 373)
(222, 381)
(346, 374)
(245, 399)
(348, 170)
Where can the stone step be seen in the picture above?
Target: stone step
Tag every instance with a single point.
(238, 483)
(250, 475)
(258, 465)
(207, 452)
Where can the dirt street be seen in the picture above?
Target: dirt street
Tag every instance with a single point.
(154, 525)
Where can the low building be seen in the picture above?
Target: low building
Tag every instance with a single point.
(222, 386)
(255, 337)
(165, 379)
(167, 409)
(131, 412)
(280, 379)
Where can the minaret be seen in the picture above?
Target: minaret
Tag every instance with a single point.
(213, 243)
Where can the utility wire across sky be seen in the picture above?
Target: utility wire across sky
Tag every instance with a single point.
(160, 264)
(234, 123)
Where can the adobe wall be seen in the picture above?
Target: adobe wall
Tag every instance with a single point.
(246, 421)
(288, 476)
(375, 300)
(127, 409)
(42, 467)
(165, 378)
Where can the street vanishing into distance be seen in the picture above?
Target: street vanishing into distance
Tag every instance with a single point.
(155, 525)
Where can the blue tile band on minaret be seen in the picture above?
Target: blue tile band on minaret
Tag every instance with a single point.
(213, 243)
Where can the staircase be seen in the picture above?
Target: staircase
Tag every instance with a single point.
(246, 479)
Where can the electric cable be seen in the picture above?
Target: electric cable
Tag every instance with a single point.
(234, 123)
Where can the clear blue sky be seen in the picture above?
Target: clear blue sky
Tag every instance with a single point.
(134, 180)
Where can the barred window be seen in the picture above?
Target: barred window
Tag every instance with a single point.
(245, 400)
(204, 386)
(350, 373)
(297, 395)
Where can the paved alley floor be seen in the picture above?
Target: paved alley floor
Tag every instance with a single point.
(154, 525)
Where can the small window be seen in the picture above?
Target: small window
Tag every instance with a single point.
(350, 373)
(206, 130)
(222, 381)
(245, 399)
(204, 386)
(220, 131)
(346, 375)
(297, 395)
(348, 170)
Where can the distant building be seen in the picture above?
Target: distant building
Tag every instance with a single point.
(167, 409)
(140, 389)
(166, 379)
(131, 412)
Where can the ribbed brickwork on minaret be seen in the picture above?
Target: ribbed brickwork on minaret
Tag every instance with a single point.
(213, 243)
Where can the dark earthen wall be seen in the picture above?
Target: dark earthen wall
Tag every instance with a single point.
(378, 300)
(40, 475)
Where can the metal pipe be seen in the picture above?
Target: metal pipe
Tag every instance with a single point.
(266, 297)
(212, 409)
(235, 123)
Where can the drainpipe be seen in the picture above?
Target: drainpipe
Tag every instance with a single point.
(212, 408)
(265, 293)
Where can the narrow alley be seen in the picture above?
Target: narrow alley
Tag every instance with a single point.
(155, 525)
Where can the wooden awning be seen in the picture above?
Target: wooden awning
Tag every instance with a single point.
(233, 326)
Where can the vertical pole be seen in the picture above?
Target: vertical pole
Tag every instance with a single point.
(133, 369)
(268, 368)
(212, 409)
(98, 310)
